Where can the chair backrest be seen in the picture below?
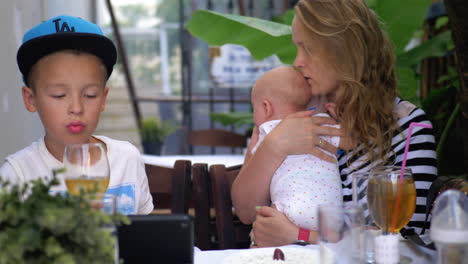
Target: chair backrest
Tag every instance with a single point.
(231, 232)
(205, 229)
(170, 187)
(216, 138)
(439, 185)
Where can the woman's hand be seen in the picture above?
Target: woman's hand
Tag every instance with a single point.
(347, 142)
(300, 133)
(272, 228)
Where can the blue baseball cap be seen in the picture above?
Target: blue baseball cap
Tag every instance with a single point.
(64, 32)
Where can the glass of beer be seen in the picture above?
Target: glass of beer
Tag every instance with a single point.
(87, 168)
(391, 201)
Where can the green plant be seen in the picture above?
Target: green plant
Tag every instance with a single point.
(37, 227)
(443, 107)
(236, 118)
(154, 130)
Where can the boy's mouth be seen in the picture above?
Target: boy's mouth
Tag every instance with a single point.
(75, 127)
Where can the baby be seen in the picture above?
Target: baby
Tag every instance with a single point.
(302, 181)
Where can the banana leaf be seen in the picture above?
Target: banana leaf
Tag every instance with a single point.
(401, 18)
(262, 38)
(437, 46)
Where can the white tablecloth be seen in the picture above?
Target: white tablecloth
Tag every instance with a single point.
(168, 161)
(417, 254)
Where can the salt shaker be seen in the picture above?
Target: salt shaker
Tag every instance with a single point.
(449, 227)
(386, 249)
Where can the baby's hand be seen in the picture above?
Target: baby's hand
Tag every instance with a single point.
(254, 137)
(253, 141)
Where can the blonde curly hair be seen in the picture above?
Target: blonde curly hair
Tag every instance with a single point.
(362, 56)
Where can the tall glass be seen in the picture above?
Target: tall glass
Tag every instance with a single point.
(391, 202)
(375, 191)
(340, 233)
(370, 231)
(107, 203)
(87, 168)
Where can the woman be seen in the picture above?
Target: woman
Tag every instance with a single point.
(345, 56)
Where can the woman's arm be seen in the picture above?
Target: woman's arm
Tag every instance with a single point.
(272, 228)
(297, 134)
(251, 187)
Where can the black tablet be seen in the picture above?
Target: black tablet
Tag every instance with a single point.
(157, 239)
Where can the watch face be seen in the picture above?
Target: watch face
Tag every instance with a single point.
(300, 243)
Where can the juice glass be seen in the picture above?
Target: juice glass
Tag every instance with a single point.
(86, 168)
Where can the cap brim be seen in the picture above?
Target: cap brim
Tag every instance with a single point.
(33, 50)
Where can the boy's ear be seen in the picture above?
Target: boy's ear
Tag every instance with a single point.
(103, 103)
(29, 99)
(268, 108)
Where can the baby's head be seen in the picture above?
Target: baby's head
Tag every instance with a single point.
(66, 62)
(278, 93)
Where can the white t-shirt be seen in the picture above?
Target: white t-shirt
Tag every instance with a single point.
(128, 180)
(302, 182)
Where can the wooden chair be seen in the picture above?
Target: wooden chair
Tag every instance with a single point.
(205, 226)
(217, 138)
(170, 187)
(231, 232)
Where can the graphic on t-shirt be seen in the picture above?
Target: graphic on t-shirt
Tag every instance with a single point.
(125, 197)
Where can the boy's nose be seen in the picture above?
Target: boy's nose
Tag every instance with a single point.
(76, 106)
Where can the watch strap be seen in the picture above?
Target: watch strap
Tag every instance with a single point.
(303, 235)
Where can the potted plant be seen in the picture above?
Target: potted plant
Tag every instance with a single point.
(37, 227)
(153, 132)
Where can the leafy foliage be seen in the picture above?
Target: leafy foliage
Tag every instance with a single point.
(443, 107)
(262, 38)
(401, 18)
(236, 118)
(154, 130)
(37, 227)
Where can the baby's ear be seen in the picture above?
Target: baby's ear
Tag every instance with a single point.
(103, 104)
(268, 108)
(29, 99)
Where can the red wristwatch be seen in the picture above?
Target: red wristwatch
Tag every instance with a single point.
(303, 237)
(303, 234)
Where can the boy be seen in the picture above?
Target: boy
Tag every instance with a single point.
(66, 62)
(302, 181)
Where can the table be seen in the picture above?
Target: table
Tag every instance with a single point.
(168, 160)
(418, 255)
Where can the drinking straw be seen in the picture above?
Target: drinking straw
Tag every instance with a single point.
(403, 166)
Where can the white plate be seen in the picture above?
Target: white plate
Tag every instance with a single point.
(292, 255)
